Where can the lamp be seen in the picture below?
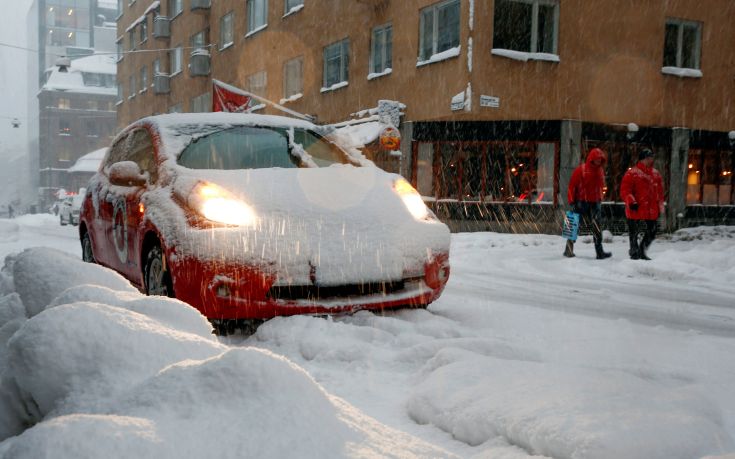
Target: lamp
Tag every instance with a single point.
(731, 138)
(632, 130)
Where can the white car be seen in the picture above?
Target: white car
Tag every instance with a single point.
(69, 209)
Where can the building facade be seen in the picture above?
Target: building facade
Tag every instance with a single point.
(503, 98)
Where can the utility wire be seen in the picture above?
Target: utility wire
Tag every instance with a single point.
(115, 53)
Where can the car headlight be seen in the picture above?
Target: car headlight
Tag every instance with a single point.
(411, 198)
(219, 205)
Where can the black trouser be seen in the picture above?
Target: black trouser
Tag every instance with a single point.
(590, 214)
(635, 227)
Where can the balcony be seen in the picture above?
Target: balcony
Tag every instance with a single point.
(199, 63)
(161, 83)
(199, 5)
(161, 27)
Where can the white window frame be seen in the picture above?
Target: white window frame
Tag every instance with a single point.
(223, 43)
(176, 61)
(680, 24)
(384, 49)
(143, 79)
(344, 63)
(435, 27)
(177, 7)
(534, 25)
(288, 67)
(255, 24)
(144, 30)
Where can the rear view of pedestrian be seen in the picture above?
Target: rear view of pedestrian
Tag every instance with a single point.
(642, 190)
(584, 196)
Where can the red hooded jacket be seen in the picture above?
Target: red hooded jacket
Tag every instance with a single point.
(645, 186)
(588, 180)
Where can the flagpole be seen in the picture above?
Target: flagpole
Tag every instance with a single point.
(261, 99)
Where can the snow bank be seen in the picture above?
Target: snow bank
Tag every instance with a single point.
(41, 274)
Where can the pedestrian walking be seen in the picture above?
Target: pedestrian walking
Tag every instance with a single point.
(11, 211)
(584, 196)
(642, 190)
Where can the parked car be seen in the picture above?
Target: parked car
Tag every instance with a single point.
(69, 209)
(252, 216)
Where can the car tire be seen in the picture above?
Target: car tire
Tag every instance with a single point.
(61, 221)
(87, 253)
(156, 277)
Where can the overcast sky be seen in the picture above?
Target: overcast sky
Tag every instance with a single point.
(13, 75)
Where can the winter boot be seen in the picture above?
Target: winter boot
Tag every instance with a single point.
(634, 253)
(601, 254)
(569, 251)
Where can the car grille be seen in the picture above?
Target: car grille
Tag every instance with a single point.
(315, 292)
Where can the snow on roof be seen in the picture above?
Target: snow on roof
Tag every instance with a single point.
(72, 80)
(89, 162)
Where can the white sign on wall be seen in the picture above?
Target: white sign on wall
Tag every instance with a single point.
(490, 101)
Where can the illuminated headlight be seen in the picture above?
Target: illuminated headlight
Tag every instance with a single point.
(218, 205)
(412, 199)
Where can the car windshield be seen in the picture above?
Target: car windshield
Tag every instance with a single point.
(246, 147)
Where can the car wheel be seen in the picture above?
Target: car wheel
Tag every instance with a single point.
(155, 275)
(61, 220)
(87, 254)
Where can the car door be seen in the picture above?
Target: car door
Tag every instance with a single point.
(127, 209)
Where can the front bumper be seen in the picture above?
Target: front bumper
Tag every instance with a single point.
(232, 291)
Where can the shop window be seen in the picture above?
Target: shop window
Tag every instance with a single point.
(725, 188)
(448, 171)
(439, 28)
(496, 173)
(529, 26)
(693, 177)
(710, 180)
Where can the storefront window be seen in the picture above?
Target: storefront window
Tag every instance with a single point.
(709, 177)
(725, 191)
(693, 176)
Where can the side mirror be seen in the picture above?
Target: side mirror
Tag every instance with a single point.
(126, 173)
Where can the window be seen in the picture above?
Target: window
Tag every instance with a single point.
(120, 50)
(336, 63)
(438, 29)
(177, 6)
(293, 77)
(709, 177)
(144, 79)
(381, 49)
(119, 93)
(131, 39)
(64, 127)
(176, 58)
(226, 35)
(202, 103)
(526, 25)
(257, 15)
(91, 105)
(156, 67)
(132, 87)
(199, 39)
(292, 5)
(91, 128)
(144, 30)
(176, 108)
(257, 83)
(64, 103)
(682, 42)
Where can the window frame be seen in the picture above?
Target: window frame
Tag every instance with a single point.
(226, 44)
(288, 10)
(534, 25)
(286, 66)
(143, 79)
(680, 25)
(177, 56)
(252, 26)
(143, 30)
(434, 9)
(344, 63)
(177, 7)
(386, 51)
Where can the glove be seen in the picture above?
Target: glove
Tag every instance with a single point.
(633, 206)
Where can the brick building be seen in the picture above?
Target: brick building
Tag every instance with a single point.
(502, 97)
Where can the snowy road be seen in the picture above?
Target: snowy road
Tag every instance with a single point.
(525, 354)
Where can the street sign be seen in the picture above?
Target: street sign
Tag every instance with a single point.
(490, 101)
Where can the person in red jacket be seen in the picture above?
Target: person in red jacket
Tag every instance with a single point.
(642, 190)
(584, 195)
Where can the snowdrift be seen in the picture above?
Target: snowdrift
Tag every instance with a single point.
(103, 371)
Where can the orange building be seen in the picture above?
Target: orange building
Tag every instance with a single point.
(502, 98)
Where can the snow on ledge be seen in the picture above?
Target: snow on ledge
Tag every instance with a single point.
(438, 57)
(291, 98)
(334, 87)
(524, 56)
(293, 10)
(682, 72)
(254, 31)
(372, 76)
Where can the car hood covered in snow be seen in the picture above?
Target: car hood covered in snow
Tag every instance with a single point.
(334, 225)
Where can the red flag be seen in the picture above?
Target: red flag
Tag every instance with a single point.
(226, 98)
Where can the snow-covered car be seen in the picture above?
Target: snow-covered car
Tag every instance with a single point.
(253, 216)
(69, 209)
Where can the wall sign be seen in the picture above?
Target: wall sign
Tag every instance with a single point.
(490, 101)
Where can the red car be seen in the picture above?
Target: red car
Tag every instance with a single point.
(254, 216)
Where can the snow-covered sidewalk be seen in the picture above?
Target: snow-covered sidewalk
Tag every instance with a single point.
(526, 354)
